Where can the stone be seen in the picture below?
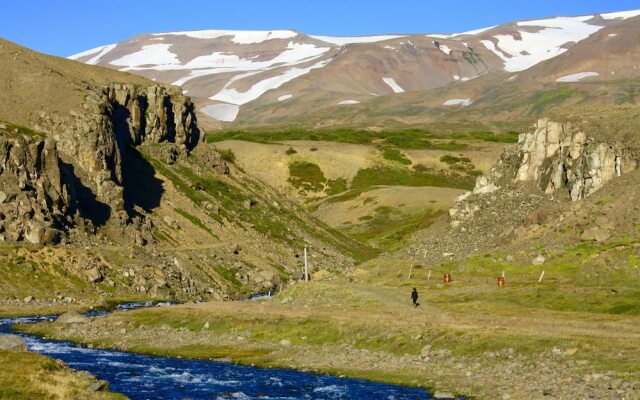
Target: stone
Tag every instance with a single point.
(28, 299)
(441, 395)
(98, 386)
(538, 260)
(3, 196)
(13, 343)
(596, 233)
(285, 343)
(483, 186)
(206, 325)
(426, 351)
(94, 275)
(72, 317)
(571, 352)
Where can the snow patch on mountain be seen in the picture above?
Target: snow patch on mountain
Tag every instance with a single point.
(157, 55)
(222, 112)
(457, 102)
(344, 40)
(393, 85)
(532, 48)
(347, 102)
(576, 77)
(233, 96)
(239, 37)
(285, 97)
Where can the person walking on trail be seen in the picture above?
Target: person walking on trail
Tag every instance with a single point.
(414, 297)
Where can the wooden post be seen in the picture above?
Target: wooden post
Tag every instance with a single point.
(429, 277)
(306, 266)
(541, 275)
(410, 270)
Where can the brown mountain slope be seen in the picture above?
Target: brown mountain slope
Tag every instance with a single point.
(33, 82)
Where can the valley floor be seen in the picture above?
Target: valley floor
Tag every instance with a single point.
(467, 337)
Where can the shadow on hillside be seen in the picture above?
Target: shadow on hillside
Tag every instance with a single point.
(84, 201)
(142, 190)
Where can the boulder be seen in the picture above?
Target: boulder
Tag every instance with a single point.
(94, 275)
(12, 343)
(72, 317)
(440, 395)
(596, 233)
(539, 260)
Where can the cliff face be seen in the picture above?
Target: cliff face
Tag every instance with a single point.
(97, 142)
(562, 157)
(33, 196)
(83, 167)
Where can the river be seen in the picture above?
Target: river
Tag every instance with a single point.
(142, 377)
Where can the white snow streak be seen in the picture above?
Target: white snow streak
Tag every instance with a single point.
(347, 102)
(285, 97)
(457, 102)
(393, 85)
(229, 95)
(576, 77)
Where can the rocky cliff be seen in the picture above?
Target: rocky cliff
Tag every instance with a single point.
(534, 184)
(82, 168)
(560, 159)
(33, 196)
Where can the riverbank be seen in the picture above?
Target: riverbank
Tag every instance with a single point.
(467, 339)
(31, 376)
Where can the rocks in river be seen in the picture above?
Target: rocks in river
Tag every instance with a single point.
(12, 343)
(72, 317)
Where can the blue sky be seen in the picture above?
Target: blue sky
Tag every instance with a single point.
(64, 27)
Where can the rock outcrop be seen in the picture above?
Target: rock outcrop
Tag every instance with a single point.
(558, 158)
(33, 196)
(561, 156)
(81, 169)
(97, 140)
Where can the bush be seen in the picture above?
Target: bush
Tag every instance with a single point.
(227, 155)
(290, 151)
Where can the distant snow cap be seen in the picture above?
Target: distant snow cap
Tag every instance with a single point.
(457, 102)
(393, 85)
(532, 48)
(621, 14)
(239, 37)
(285, 97)
(347, 102)
(343, 40)
(576, 77)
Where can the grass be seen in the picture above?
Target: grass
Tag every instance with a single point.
(12, 130)
(421, 176)
(306, 176)
(196, 221)
(31, 376)
(227, 155)
(448, 159)
(395, 155)
(401, 138)
(389, 230)
(543, 100)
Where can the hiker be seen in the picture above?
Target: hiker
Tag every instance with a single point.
(414, 297)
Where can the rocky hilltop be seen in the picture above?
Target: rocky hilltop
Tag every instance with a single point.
(531, 189)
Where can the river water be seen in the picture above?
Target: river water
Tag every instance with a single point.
(142, 377)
